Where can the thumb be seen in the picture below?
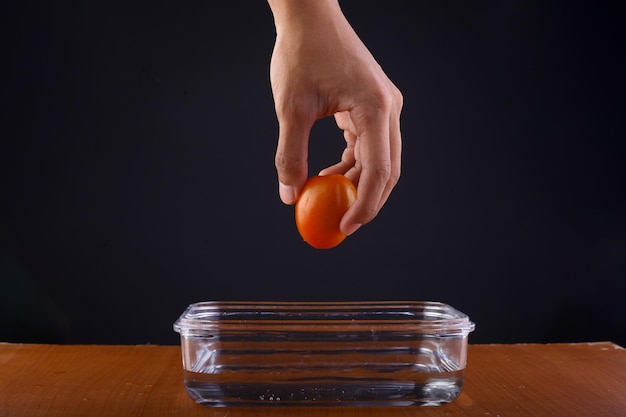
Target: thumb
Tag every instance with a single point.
(291, 157)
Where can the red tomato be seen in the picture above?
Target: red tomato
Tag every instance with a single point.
(322, 203)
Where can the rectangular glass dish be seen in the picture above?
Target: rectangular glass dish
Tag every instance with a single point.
(319, 353)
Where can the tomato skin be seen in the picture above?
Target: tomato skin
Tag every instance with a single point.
(320, 206)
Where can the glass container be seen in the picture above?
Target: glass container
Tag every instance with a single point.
(323, 353)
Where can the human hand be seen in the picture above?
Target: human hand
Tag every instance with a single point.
(320, 68)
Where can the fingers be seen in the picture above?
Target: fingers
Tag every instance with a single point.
(375, 159)
(395, 148)
(371, 159)
(395, 144)
(375, 170)
(291, 156)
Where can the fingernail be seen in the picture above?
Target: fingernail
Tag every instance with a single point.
(352, 228)
(287, 193)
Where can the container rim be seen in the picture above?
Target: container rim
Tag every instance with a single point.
(410, 317)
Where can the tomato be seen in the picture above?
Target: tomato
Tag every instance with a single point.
(320, 206)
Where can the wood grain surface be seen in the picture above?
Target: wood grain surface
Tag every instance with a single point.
(502, 380)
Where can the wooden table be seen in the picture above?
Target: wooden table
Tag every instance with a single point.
(502, 380)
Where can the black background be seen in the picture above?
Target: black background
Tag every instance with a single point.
(138, 177)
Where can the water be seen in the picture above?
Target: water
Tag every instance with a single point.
(354, 369)
(424, 388)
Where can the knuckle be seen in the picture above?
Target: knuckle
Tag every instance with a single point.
(287, 163)
(383, 101)
(293, 107)
(382, 172)
(367, 213)
(377, 97)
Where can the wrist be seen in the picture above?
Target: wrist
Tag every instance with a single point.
(303, 13)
